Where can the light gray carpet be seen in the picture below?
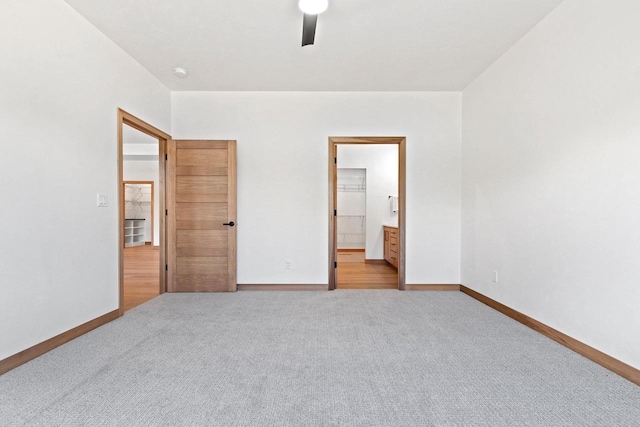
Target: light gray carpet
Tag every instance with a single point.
(362, 358)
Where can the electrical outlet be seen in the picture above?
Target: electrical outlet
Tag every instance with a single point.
(103, 201)
(495, 276)
(287, 264)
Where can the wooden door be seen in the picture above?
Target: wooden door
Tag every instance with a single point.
(201, 215)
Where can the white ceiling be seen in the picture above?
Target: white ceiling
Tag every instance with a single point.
(138, 146)
(134, 136)
(401, 45)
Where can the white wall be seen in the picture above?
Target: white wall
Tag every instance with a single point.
(551, 194)
(381, 163)
(283, 166)
(60, 83)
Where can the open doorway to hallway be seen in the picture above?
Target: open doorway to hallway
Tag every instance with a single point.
(367, 213)
(141, 174)
(142, 210)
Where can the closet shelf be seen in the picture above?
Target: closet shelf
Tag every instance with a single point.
(132, 234)
(351, 189)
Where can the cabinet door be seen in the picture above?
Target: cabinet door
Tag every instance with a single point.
(393, 258)
(386, 244)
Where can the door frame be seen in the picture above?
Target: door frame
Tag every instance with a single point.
(125, 118)
(334, 141)
(152, 184)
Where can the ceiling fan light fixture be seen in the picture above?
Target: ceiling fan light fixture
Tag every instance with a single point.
(313, 7)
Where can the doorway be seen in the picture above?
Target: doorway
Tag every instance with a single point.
(141, 199)
(367, 187)
(141, 255)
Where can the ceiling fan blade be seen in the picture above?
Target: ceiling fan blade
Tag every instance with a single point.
(309, 23)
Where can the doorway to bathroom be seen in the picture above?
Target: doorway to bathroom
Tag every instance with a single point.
(366, 238)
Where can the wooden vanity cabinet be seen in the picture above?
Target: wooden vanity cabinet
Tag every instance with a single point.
(391, 245)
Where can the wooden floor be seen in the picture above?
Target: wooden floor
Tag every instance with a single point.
(361, 275)
(141, 275)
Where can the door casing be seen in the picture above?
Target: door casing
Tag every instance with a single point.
(125, 118)
(334, 141)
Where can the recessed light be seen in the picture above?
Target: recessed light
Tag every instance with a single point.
(180, 72)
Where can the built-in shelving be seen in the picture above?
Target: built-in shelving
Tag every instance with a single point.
(138, 207)
(351, 222)
(134, 234)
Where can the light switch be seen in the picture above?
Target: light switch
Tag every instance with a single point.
(103, 201)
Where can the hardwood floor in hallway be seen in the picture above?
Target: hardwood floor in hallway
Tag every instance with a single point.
(141, 275)
(363, 275)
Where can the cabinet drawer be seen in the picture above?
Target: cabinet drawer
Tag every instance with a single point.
(393, 247)
(393, 241)
(393, 258)
(393, 233)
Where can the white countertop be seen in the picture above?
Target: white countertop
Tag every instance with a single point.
(390, 225)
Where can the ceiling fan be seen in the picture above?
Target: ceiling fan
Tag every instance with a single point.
(311, 9)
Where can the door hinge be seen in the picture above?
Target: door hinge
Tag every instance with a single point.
(166, 212)
(335, 160)
(166, 267)
(335, 264)
(166, 157)
(335, 212)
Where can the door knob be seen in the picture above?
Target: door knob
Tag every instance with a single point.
(230, 224)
